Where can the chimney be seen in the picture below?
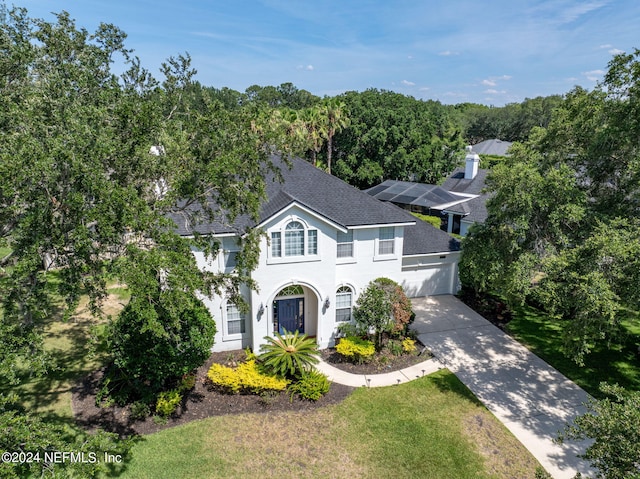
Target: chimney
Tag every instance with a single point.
(472, 160)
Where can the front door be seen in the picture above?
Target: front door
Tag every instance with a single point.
(290, 315)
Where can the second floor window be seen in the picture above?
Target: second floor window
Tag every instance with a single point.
(387, 240)
(294, 239)
(345, 244)
(297, 241)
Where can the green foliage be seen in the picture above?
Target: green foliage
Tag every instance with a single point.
(356, 349)
(563, 218)
(157, 342)
(247, 377)
(512, 122)
(78, 182)
(394, 136)
(289, 354)
(187, 382)
(28, 433)
(435, 221)
(383, 307)
(168, 402)
(311, 385)
(613, 424)
(139, 410)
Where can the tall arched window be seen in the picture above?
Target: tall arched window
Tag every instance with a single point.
(344, 303)
(294, 239)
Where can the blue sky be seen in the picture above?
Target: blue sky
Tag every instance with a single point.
(492, 52)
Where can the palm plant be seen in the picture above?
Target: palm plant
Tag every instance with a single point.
(289, 354)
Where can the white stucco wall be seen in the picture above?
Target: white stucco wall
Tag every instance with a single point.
(321, 275)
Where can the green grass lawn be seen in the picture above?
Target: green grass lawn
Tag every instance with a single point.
(615, 364)
(73, 353)
(429, 428)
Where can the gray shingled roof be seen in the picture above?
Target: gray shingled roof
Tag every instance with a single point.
(409, 193)
(493, 147)
(424, 238)
(478, 209)
(457, 183)
(333, 199)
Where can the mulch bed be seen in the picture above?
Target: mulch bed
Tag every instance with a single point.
(489, 307)
(383, 362)
(201, 402)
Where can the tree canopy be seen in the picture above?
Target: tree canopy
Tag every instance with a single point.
(564, 218)
(91, 165)
(394, 136)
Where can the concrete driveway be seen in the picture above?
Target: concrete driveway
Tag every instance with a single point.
(531, 398)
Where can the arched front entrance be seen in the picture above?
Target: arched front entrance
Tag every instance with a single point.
(295, 308)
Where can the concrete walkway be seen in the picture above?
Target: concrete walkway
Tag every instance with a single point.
(378, 380)
(532, 399)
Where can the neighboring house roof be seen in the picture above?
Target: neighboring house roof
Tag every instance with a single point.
(457, 183)
(409, 193)
(493, 147)
(327, 196)
(478, 209)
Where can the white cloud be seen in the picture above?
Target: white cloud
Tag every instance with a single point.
(489, 82)
(593, 75)
(616, 51)
(607, 45)
(308, 68)
(574, 12)
(448, 53)
(407, 83)
(424, 88)
(492, 91)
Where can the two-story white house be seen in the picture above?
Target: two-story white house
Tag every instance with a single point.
(325, 241)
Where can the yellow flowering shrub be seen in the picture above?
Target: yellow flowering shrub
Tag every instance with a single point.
(408, 345)
(246, 377)
(356, 349)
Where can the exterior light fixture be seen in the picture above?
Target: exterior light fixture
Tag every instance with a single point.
(327, 302)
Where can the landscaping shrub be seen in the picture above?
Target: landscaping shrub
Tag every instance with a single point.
(312, 385)
(168, 402)
(187, 383)
(356, 349)
(289, 354)
(139, 410)
(152, 347)
(245, 378)
(408, 345)
(395, 347)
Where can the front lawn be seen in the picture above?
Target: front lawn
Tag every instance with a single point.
(429, 428)
(615, 364)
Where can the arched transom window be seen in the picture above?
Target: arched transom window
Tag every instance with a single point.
(298, 241)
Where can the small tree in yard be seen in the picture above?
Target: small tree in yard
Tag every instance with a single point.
(382, 308)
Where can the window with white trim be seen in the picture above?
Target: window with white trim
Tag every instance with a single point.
(387, 240)
(235, 320)
(276, 244)
(294, 239)
(312, 242)
(298, 241)
(344, 303)
(345, 244)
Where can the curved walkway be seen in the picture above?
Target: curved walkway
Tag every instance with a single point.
(378, 380)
